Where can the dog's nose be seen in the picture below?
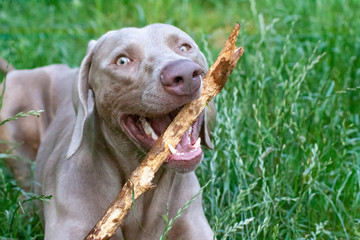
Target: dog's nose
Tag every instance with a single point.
(182, 78)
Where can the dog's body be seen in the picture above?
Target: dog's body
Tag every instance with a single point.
(138, 80)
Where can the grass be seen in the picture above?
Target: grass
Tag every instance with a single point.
(286, 163)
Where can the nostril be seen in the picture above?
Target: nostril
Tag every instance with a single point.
(178, 80)
(196, 74)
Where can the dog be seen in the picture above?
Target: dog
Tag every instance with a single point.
(100, 121)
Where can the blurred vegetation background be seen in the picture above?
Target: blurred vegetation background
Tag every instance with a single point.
(286, 163)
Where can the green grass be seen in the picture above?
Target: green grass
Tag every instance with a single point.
(286, 163)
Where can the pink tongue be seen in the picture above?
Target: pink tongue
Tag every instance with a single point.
(184, 144)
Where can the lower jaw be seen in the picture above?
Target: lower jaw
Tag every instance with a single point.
(184, 165)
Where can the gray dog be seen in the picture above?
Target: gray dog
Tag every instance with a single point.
(131, 84)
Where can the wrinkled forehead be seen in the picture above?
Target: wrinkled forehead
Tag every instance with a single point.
(167, 33)
(150, 37)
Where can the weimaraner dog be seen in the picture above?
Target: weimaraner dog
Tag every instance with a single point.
(99, 122)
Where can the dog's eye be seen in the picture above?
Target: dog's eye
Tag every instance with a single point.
(185, 47)
(122, 61)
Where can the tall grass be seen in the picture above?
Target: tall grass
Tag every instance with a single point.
(286, 163)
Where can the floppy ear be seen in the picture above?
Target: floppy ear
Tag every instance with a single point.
(208, 125)
(79, 98)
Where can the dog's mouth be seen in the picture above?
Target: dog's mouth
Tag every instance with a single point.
(145, 131)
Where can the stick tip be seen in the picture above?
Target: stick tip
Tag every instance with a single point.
(234, 34)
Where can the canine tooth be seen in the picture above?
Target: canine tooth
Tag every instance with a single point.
(197, 144)
(154, 136)
(148, 129)
(172, 149)
(146, 126)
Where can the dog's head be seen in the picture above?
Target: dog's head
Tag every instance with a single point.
(140, 79)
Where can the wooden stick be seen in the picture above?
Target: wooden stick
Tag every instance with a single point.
(141, 179)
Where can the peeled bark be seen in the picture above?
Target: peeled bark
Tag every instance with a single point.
(141, 179)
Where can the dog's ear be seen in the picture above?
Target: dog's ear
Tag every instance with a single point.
(91, 46)
(80, 99)
(208, 125)
(209, 120)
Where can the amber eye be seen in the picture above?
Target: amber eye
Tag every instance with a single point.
(122, 61)
(185, 47)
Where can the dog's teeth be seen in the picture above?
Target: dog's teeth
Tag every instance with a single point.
(172, 149)
(154, 136)
(197, 144)
(148, 129)
(146, 126)
(189, 135)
